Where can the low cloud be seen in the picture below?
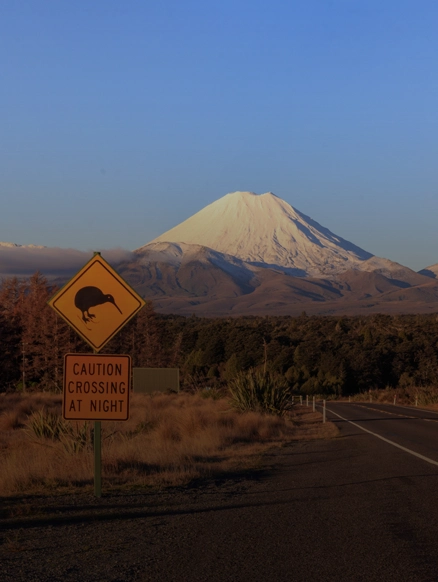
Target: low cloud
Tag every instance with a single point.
(52, 261)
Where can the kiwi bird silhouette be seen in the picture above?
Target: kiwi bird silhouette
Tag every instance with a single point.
(88, 297)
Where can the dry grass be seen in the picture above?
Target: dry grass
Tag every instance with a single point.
(168, 440)
(425, 396)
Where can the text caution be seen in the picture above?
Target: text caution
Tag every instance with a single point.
(96, 387)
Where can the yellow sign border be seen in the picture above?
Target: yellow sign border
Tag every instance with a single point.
(97, 258)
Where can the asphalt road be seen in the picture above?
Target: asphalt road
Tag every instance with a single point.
(352, 508)
(412, 428)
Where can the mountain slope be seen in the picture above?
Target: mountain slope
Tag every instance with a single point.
(266, 231)
(255, 254)
(431, 271)
(247, 254)
(188, 271)
(263, 229)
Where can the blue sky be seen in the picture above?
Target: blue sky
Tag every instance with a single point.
(121, 119)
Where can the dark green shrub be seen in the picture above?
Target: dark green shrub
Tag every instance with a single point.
(261, 392)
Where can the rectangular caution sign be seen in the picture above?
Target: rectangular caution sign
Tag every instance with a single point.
(96, 387)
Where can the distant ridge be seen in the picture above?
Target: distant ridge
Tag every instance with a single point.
(431, 271)
(11, 245)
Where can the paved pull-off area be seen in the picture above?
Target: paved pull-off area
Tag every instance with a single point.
(356, 507)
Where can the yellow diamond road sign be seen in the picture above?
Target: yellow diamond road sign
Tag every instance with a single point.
(96, 302)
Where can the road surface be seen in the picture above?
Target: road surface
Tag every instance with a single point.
(353, 508)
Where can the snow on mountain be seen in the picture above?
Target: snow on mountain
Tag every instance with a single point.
(431, 271)
(266, 231)
(171, 269)
(177, 254)
(10, 245)
(248, 254)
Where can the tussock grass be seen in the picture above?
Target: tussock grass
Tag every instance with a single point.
(260, 391)
(168, 440)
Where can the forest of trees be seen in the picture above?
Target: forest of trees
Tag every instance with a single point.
(317, 355)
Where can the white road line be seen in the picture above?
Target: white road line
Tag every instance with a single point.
(401, 415)
(387, 412)
(422, 457)
(418, 409)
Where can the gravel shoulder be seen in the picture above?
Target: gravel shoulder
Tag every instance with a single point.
(76, 537)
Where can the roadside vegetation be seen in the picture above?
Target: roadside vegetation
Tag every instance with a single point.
(424, 396)
(239, 379)
(330, 356)
(265, 392)
(168, 440)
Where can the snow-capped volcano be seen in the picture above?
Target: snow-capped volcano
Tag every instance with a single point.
(255, 254)
(266, 231)
(249, 254)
